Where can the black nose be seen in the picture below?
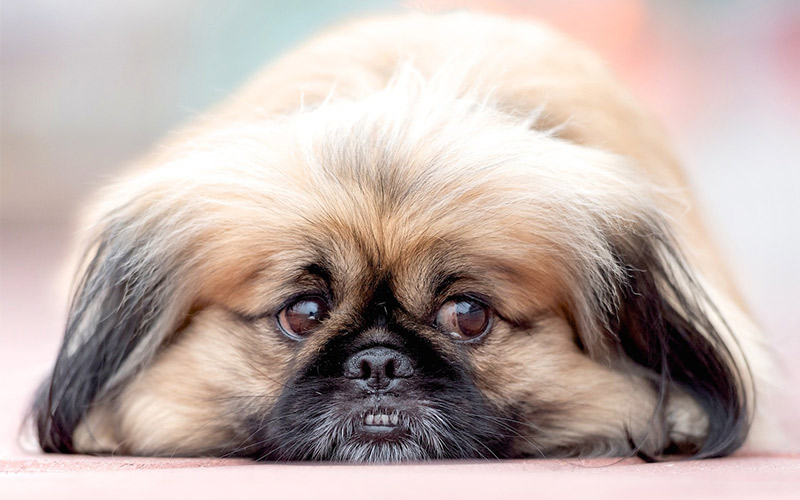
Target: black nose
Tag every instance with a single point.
(378, 367)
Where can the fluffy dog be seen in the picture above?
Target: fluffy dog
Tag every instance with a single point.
(415, 237)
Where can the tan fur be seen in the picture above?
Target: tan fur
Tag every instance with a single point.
(490, 134)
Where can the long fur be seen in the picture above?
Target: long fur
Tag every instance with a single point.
(397, 157)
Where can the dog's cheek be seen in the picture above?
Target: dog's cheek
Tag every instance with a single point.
(198, 395)
(563, 402)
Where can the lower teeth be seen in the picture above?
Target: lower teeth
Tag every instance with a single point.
(381, 419)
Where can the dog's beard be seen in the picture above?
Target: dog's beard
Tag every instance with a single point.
(436, 413)
(428, 431)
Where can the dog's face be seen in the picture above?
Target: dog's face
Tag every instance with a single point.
(404, 277)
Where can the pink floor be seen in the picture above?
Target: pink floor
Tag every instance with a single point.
(71, 477)
(32, 313)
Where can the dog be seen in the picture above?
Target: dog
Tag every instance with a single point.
(415, 237)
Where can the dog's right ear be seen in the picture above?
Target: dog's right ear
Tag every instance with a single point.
(667, 323)
(124, 306)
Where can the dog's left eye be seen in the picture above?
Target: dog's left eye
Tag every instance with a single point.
(303, 316)
(463, 318)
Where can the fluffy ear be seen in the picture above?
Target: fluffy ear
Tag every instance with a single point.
(666, 323)
(124, 307)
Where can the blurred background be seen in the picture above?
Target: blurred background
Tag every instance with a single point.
(89, 85)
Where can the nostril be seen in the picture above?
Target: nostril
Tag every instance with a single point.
(366, 371)
(389, 368)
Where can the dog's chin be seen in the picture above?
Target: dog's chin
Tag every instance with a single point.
(382, 427)
(378, 433)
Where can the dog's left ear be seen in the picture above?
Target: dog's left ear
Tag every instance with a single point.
(665, 322)
(126, 304)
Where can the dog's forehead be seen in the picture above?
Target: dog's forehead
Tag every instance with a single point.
(364, 263)
(405, 206)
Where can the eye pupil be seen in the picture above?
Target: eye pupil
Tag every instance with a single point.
(463, 318)
(471, 318)
(302, 317)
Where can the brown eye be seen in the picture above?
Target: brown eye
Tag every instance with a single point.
(303, 316)
(464, 319)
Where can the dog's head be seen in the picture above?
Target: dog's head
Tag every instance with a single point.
(408, 276)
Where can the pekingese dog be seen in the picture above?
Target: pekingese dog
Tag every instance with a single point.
(416, 237)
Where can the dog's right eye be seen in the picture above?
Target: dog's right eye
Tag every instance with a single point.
(303, 316)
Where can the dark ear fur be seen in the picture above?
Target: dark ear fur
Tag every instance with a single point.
(117, 310)
(664, 323)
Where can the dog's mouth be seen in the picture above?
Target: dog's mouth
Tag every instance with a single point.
(381, 430)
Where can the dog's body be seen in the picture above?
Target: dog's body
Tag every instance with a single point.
(417, 237)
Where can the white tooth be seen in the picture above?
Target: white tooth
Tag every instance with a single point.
(395, 419)
(370, 419)
(384, 419)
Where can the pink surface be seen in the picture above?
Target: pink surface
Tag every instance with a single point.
(73, 477)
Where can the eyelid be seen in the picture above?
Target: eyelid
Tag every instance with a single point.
(288, 300)
(473, 296)
(298, 296)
